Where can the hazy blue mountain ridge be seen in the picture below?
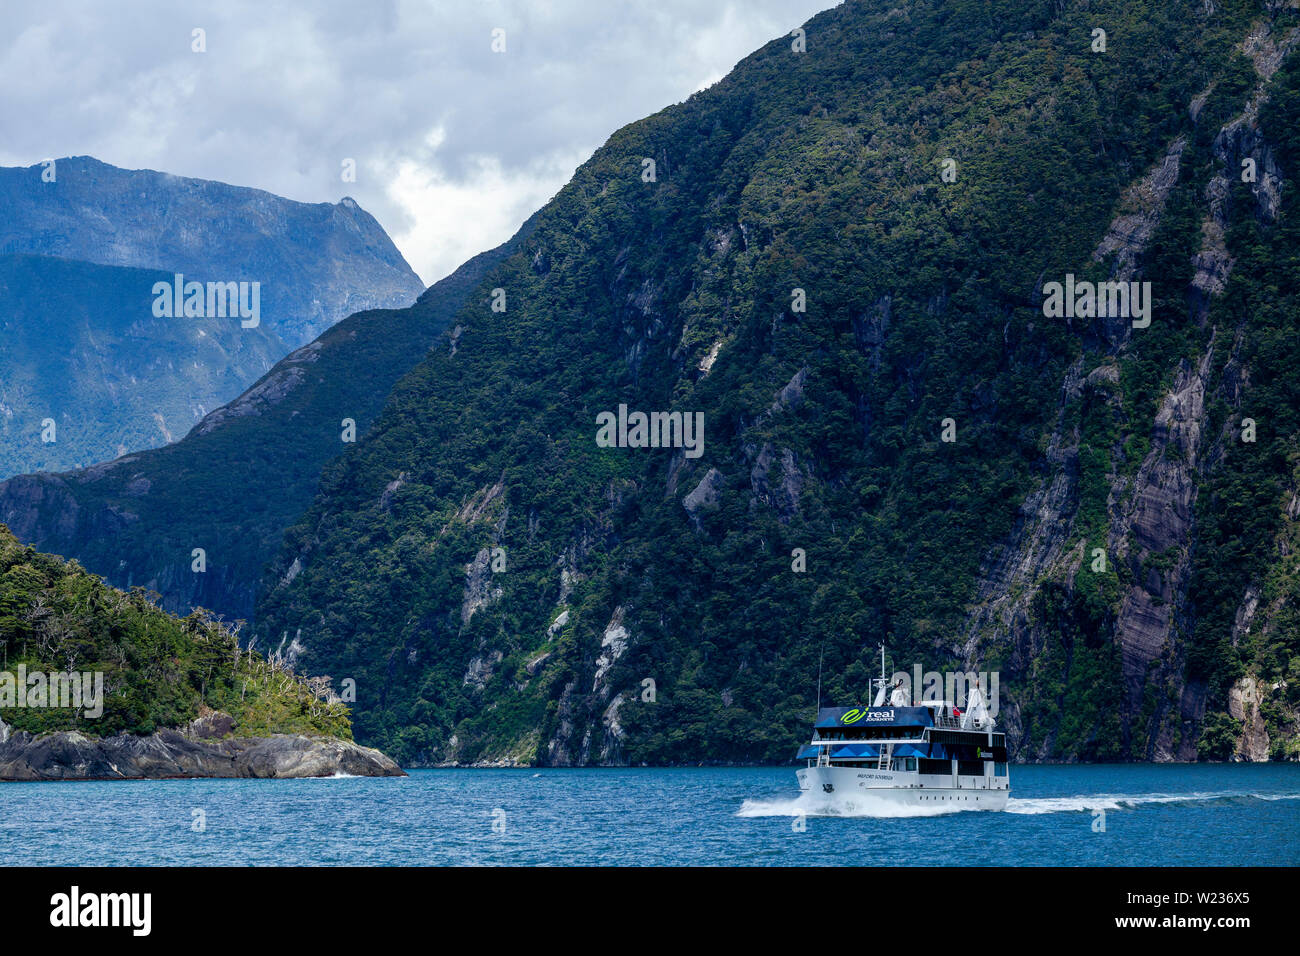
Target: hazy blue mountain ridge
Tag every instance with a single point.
(245, 472)
(118, 367)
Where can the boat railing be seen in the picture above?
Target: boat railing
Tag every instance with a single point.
(955, 723)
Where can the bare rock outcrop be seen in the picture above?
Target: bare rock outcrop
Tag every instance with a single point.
(69, 755)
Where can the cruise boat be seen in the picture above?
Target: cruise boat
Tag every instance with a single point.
(894, 754)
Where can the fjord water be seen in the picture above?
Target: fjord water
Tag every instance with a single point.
(1185, 815)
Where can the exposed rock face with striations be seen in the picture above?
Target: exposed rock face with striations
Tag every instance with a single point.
(1151, 502)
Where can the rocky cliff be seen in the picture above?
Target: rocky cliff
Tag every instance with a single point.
(69, 755)
(1146, 499)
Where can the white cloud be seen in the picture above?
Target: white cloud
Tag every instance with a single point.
(452, 219)
(287, 91)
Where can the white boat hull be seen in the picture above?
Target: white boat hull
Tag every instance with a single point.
(859, 789)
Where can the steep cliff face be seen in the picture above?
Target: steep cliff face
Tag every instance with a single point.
(1159, 474)
(838, 256)
(93, 366)
(246, 471)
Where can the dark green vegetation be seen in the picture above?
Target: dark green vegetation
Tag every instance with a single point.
(821, 171)
(158, 670)
(244, 473)
(1100, 533)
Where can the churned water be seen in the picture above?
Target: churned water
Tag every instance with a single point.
(1186, 815)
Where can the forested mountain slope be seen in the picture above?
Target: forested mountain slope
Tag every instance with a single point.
(154, 670)
(899, 444)
(243, 474)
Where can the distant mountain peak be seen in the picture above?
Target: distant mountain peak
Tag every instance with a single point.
(315, 267)
(83, 248)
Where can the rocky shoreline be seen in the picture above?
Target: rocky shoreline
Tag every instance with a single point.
(167, 754)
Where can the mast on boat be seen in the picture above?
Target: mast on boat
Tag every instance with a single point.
(882, 681)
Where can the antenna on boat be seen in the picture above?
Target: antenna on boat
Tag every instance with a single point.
(882, 681)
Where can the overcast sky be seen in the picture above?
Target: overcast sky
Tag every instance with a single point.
(454, 145)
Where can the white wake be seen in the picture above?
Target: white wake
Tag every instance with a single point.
(817, 805)
(1124, 801)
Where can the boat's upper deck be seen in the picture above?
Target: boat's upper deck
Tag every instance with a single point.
(839, 718)
(936, 722)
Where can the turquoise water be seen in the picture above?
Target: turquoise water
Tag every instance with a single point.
(1154, 815)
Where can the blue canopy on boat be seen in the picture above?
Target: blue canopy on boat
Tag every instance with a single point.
(850, 751)
(908, 750)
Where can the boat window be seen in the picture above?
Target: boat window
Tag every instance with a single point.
(935, 766)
